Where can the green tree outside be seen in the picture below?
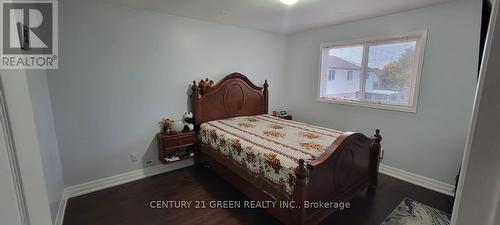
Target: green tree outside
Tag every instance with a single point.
(396, 75)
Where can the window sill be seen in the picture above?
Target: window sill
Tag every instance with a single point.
(409, 109)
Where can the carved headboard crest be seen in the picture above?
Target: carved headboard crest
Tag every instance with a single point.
(235, 95)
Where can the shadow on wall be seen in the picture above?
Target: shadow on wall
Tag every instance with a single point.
(150, 157)
(188, 99)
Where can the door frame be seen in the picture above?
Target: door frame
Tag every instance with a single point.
(491, 33)
(6, 134)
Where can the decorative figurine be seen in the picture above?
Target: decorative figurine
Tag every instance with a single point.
(188, 121)
(167, 126)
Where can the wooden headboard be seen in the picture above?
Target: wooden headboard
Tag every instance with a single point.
(235, 95)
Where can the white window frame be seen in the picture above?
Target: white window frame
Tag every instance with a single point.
(421, 38)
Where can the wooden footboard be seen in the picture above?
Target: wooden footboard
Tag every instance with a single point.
(348, 166)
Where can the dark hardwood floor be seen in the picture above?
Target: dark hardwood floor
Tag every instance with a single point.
(130, 203)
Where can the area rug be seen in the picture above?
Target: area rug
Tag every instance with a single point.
(411, 212)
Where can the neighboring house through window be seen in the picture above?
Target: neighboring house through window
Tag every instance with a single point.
(381, 73)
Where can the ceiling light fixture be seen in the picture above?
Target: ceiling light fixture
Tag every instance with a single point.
(289, 2)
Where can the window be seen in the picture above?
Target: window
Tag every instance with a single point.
(381, 73)
(349, 75)
(331, 74)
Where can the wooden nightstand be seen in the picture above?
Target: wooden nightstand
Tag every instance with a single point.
(174, 142)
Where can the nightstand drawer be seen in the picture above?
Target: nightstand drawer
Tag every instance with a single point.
(171, 144)
(179, 141)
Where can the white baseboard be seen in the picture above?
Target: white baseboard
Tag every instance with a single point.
(62, 209)
(103, 183)
(107, 182)
(416, 179)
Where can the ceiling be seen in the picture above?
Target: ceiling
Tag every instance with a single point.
(271, 15)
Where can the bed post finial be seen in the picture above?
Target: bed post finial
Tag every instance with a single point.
(375, 159)
(266, 98)
(300, 191)
(377, 136)
(302, 173)
(195, 88)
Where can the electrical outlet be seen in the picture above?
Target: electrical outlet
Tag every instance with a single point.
(381, 153)
(148, 163)
(134, 157)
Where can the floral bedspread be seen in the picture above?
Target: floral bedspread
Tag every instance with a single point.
(267, 148)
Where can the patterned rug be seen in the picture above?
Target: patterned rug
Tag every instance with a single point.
(411, 212)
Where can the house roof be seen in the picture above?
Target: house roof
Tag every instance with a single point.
(339, 63)
(336, 62)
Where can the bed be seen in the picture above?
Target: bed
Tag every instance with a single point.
(272, 159)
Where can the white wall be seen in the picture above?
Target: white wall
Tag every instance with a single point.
(44, 121)
(429, 142)
(123, 69)
(479, 192)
